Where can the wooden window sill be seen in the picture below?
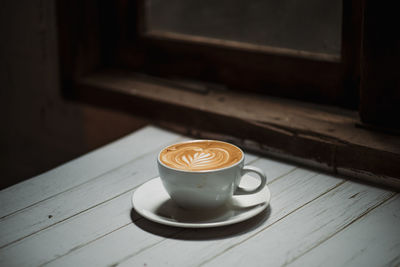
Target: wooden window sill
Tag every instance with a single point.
(321, 136)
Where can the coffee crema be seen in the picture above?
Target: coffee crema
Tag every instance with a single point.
(200, 155)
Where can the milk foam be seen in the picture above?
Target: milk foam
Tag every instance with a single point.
(200, 155)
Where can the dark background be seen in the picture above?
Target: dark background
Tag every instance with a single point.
(39, 129)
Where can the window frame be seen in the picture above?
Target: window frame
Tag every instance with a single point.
(316, 77)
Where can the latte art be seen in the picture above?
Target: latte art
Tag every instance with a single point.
(195, 158)
(200, 155)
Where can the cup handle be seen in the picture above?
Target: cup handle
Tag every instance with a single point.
(263, 179)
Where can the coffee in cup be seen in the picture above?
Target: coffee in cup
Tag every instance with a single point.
(200, 155)
(204, 174)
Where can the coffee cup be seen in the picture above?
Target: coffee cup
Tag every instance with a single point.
(205, 174)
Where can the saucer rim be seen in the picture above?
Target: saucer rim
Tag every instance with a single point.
(237, 219)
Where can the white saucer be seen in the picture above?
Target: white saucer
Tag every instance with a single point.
(152, 202)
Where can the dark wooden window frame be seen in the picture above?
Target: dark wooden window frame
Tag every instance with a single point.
(276, 71)
(104, 44)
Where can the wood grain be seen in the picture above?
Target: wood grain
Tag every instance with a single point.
(79, 231)
(92, 223)
(373, 240)
(90, 237)
(88, 212)
(280, 113)
(191, 247)
(80, 198)
(81, 170)
(283, 242)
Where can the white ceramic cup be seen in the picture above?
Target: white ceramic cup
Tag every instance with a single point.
(207, 189)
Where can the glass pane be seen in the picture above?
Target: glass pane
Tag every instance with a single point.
(308, 25)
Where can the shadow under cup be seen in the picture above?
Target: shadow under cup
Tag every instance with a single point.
(206, 189)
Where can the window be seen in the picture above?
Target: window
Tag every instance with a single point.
(123, 54)
(323, 69)
(312, 26)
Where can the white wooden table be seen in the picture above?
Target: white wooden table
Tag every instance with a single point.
(80, 214)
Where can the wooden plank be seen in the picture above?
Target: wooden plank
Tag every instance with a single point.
(78, 199)
(73, 212)
(82, 169)
(192, 246)
(237, 45)
(111, 227)
(284, 241)
(289, 193)
(245, 106)
(373, 240)
(80, 230)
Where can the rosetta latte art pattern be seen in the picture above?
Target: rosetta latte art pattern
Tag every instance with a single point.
(200, 156)
(195, 158)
